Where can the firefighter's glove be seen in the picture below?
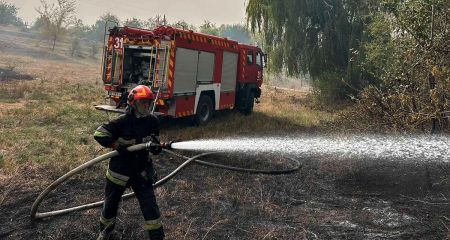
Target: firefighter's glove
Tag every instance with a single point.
(155, 148)
(122, 149)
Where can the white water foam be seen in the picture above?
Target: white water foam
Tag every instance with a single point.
(422, 148)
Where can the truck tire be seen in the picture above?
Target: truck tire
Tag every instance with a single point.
(205, 110)
(250, 103)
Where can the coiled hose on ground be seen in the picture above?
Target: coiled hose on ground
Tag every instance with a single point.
(37, 215)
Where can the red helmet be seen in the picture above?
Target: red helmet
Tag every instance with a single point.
(140, 92)
(139, 101)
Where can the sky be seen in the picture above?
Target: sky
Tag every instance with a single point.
(192, 11)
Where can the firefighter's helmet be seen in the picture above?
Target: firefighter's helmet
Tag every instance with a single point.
(139, 100)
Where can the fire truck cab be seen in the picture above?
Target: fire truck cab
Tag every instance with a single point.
(192, 74)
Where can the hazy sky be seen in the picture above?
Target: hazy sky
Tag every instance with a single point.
(192, 11)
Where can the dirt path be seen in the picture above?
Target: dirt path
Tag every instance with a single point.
(327, 199)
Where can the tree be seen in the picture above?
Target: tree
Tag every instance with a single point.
(56, 18)
(98, 29)
(134, 22)
(236, 32)
(184, 25)
(209, 28)
(154, 22)
(38, 24)
(79, 29)
(322, 38)
(75, 45)
(8, 14)
(409, 56)
(94, 49)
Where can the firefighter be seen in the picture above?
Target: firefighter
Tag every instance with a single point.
(131, 169)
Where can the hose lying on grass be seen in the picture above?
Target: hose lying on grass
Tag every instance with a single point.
(189, 160)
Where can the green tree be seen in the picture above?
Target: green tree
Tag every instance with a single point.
(409, 56)
(107, 20)
(79, 29)
(8, 14)
(78, 34)
(209, 28)
(75, 46)
(94, 49)
(320, 38)
(154, 22)
(236, 32)
(56, 18)
(184, 25)
(38, 24)
(134, 22)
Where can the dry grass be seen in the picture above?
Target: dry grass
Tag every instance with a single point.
(278, 113)
(49, 119)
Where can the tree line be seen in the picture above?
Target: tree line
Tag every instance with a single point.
(390, 56)
(58, 21)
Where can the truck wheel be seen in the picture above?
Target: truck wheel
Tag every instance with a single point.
(204, 110)
(249, 104)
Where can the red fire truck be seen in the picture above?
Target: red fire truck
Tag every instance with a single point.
(193, 74)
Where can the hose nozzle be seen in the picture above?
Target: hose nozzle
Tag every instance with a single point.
(167, 145)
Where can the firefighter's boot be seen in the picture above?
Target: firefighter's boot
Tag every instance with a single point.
(104, 235)
(156, 234)
(105, 231)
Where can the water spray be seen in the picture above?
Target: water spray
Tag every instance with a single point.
(400, 148)
(167, 147)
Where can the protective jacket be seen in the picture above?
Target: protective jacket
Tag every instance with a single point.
(128, 130)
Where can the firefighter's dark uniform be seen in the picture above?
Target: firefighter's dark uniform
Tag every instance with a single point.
(133, 170)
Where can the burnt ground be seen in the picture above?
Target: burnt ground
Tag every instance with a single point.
(8, 74)
(326, 199)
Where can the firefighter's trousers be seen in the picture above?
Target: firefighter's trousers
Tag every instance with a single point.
(143, 189)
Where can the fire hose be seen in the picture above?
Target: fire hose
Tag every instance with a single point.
(195, 159)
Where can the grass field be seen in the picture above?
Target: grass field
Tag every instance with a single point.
(47, 124)
(44, 119)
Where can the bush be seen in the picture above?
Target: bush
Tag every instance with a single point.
(409, 55)
(8, 14)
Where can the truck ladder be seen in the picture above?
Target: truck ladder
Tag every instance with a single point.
(159, 73)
